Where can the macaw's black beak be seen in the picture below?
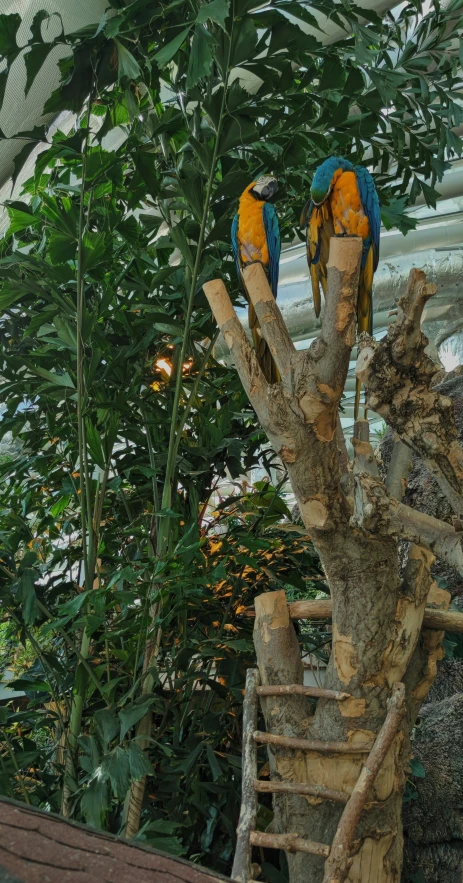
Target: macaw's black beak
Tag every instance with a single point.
(265, 191)
(269, 189)
(305, 212)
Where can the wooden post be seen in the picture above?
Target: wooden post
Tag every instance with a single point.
(241, 870)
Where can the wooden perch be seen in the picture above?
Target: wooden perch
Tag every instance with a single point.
(301, 690)
(398, 376)
(289, 842)
(312, 744)
(301, 788)
(339, 862)
(448, 621)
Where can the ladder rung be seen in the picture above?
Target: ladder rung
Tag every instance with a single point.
(301, 690)
(313, 744)
(300, 788)
(289, 842)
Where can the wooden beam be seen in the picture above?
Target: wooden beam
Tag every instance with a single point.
(441, 620)
(300, 788)
(289, 842)
(312, 744)
(301, 690)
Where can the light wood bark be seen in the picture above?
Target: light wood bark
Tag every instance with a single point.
(323, 747)
(340, 861)
(355, 522)
(241, 869)
(289, 842)
(301, 690)
(300, 788)
(448, 621)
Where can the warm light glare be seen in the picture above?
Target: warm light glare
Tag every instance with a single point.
(164, 365)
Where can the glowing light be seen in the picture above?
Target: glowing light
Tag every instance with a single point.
(164, 365)
(156, 386)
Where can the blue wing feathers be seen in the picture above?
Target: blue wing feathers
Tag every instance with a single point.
(235, 245)
(371, 207)
(272, 233)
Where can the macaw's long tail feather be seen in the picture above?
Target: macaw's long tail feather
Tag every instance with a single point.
(264, 356)
(315, 277)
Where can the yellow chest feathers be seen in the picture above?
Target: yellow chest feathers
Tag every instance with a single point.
(251, 231)
(346, 207)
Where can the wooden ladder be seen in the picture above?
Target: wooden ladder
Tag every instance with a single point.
(338, 860)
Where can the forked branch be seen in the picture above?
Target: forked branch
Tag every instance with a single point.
(300, 414)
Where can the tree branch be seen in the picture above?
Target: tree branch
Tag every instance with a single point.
(399, 375)
(300, 414)
(376, 511)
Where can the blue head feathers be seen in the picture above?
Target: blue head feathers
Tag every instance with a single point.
(323, 179)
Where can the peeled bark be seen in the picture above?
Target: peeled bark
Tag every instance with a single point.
(355, 522)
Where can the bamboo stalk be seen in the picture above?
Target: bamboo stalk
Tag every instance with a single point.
(241, 870)
(300, 788)
(312, 744)
(80, 685)
(338, 865)
(289, 842)
(301, 690)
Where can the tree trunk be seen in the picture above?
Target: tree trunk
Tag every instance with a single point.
(356, 522)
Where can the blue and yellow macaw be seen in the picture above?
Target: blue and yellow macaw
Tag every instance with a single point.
(343, 201)
(255, 237)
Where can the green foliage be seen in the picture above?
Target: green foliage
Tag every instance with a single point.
(125, 422)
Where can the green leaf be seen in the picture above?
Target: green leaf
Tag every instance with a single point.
(71, 607)
(94, 250)
(60, 506)
(95, 802)
(216, 11)
(116, 767)
(213, 763)
(61, 247)
(237, 131)
(57, 379)
(201, 58)
(127, 65)
(107, 724)
(333, 74)
(172, 845)
(167, 52)
(131, 714)
(21, 220)
(139, 764)
(94, 444)
(26, 595)
(417, 768)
